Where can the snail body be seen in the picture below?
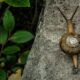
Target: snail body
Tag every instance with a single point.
(70, 41)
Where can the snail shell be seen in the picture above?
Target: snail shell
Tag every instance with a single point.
(72, 41)
(70, 44)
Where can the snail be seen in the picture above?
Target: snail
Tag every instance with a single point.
(70, 41)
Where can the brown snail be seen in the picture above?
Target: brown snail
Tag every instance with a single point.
(70, 41)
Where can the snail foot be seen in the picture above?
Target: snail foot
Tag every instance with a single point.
(75, 70)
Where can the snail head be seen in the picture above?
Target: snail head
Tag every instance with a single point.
(70, 25)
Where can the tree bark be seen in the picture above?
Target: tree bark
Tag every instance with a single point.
(46, 60)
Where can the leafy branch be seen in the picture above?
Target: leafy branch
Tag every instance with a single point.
(9, 42)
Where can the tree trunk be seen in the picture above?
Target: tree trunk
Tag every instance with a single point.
(46, 60)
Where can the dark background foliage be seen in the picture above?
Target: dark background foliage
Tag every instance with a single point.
(26, 18)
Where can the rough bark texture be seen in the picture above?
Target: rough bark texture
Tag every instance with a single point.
(46, 60)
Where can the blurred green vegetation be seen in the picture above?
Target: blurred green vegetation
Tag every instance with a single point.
(18, 23)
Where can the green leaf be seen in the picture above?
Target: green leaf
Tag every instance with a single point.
(23, 57)
(18, 3)
(11, 60)
(8, 21)
(3, 75)
(21, 37)
(11, 50)
(3, 37)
